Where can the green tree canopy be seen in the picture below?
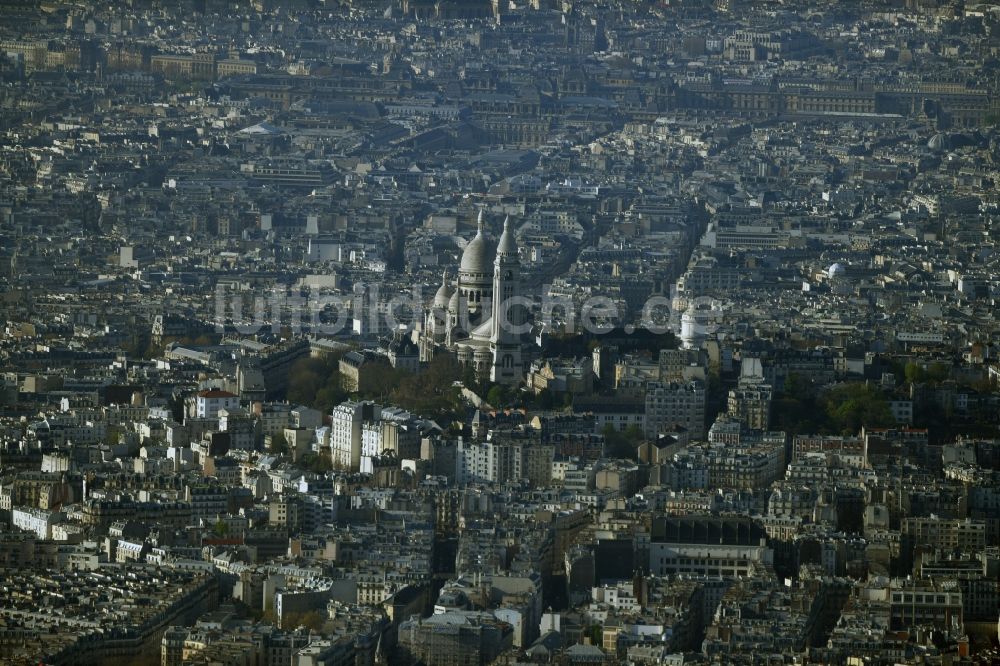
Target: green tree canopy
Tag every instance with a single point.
(279, 445)
(622, 444)
(315, 382)
(850, 406)
(432, 392)
(312, 619)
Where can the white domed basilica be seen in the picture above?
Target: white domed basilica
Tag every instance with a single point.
(476, 319)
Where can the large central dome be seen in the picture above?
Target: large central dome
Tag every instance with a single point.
(475, 258)
(477, 264)
(475, 272)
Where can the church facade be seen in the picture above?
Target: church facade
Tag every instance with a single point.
(482, 318)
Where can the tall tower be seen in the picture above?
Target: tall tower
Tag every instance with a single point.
(508, 316)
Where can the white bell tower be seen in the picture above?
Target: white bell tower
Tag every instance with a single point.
(508, 317)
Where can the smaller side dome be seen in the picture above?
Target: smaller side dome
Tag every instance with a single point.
(443, 294)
